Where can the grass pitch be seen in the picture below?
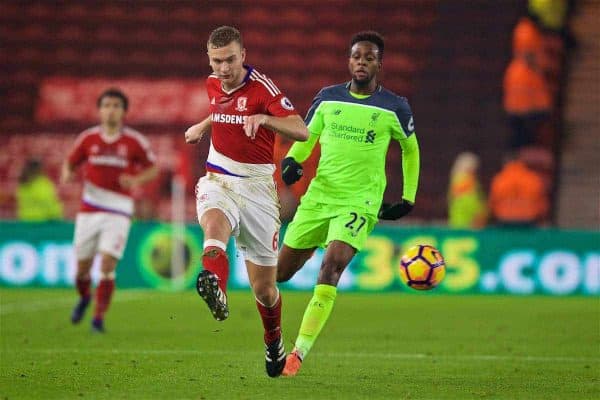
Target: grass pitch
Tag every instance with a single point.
(375, 346)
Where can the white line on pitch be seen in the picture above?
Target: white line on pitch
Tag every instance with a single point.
(42, 305)
(183, 352)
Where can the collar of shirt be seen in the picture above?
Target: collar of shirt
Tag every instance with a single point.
(249, 70)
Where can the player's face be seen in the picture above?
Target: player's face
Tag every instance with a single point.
(228, 63)
(364, 62)
(111, 111)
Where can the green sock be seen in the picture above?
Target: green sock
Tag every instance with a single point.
(316, 315)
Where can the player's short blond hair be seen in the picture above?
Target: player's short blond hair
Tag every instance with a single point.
(224, 35)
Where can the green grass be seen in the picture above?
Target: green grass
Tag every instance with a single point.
(386, 346)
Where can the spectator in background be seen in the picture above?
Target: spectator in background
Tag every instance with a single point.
(546, 23)
(527, 98)
(517, 196)
(551, 14)
(466, 201)
(540, 160)
(37, 200)
(553, 17)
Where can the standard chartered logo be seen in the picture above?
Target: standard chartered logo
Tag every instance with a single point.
(351, 133)
(346, 136)
(370, 138)
(346, 128)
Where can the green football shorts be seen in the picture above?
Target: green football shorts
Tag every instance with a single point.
(317, 224)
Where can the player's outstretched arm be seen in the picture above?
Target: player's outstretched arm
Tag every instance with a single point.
(66, 172)
(128, 181)
(411, 163)
(196, 132)
(292, 126)
(410, 173)
(291, 166)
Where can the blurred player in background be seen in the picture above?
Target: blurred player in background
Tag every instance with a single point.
(238, 196)
(115, 159)
(354, 123)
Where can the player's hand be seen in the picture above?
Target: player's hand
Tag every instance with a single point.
(395, 211)
(66, 177)
(291, 171)
(194, 134)
(66, 174)
(127, 181)
(252, 123)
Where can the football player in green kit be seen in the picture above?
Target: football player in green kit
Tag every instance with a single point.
(354, 123)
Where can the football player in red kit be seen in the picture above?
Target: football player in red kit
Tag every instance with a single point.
(115, 158)
(237, 196)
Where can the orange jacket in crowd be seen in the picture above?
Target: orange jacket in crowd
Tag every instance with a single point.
(525, 89)
(518, 195)
(546, 48)
(527, 37)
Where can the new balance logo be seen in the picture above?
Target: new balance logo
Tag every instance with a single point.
(370, 137)
(337, 112)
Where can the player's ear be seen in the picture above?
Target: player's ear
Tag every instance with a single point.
(243, 54)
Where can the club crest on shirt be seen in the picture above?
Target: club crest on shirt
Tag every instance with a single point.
(242, 102)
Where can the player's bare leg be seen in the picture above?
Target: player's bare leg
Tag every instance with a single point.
(337, 257)
(212, 281)
(291, 261)
(83, 282)
(268, 302)
(105, 289)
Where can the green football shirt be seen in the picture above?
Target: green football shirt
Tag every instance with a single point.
(355, 134)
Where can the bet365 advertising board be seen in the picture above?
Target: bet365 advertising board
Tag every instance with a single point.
(521, 262)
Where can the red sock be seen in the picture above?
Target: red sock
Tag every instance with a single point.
(83, 287)
(271, 319)
(215, 260)
(104, 293)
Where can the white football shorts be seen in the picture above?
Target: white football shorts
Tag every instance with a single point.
(252, 207)
(100, 232)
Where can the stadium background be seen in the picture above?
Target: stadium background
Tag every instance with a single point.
(447, 57)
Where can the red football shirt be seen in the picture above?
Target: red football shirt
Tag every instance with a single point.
(228, 110)
(106, 158)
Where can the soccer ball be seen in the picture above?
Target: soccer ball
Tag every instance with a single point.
(422, 267)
